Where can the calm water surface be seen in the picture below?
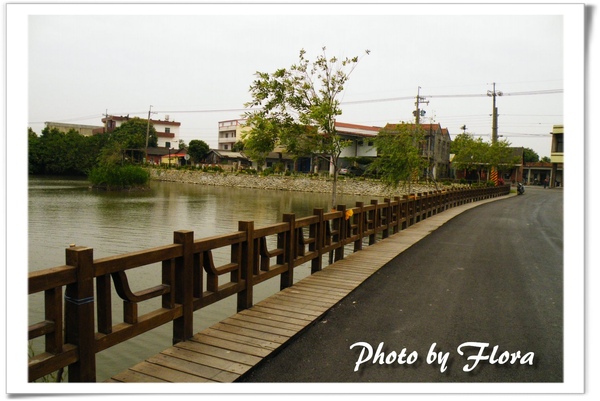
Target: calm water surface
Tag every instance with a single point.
(65, 211)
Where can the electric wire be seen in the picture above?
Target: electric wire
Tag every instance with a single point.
(390, 99)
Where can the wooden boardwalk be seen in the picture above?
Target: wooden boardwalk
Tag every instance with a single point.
(228, 349)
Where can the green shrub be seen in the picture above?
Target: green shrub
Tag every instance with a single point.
(212, 169)
(119, 177)
(267, 171)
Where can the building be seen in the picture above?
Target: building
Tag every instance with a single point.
(361, 137)
(175, 157)
(513, 170)
(227, 159)
(361, 140)
(435, 148)
(557, 156)
(167, 131)
(534, 173)
(155, 155)
(85, 130)
(230, 132)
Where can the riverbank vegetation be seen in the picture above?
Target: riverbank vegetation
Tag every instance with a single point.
(109, 160)
(63, 153)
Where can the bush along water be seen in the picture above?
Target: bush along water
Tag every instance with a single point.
(119, 177)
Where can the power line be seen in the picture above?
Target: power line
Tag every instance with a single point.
(206, 111)
(390, 99)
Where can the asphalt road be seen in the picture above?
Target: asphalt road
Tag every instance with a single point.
(491, 277)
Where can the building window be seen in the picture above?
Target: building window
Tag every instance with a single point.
(559, 143)
(167, 130)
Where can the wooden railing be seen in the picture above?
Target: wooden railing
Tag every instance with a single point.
(79, 324)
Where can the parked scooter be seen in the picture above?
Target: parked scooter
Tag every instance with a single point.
(520, 188)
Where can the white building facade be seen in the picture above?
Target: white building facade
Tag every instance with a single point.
(362, 139)
(167, 131)
(230, 132)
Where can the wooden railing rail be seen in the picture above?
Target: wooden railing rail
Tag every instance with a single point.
(78, 297)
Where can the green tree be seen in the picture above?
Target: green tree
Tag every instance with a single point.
(297, 110)
(398, 158)
(238, 146)
(60, 153)
(198, 149)
(470, 154)
(530, 156)
(546, 159)
(261, 139)
(113, 169)
(502, 156)
(473, 154)
(34, 151)
(111, 154)
(57, 152)
(132, 134)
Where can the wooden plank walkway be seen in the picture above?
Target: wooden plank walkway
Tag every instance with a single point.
(228, 349)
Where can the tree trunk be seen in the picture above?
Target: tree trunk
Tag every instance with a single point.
(334, 190)
(333, 167)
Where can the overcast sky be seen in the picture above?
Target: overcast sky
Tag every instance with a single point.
(197, 68)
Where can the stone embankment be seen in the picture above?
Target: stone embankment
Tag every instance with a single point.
(348, 186)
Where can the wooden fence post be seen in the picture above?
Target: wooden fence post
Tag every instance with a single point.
(397, 213)
(388, 218)
(79, 314)
(341, 235)
(376, 222)
(287, 278)
(245, 297)
(318, 234)
(410, 209)
(183, 327)
(360, 219)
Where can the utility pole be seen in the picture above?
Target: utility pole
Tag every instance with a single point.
(147, 135)
(493, 94)
(418, 113)
(105, 120)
